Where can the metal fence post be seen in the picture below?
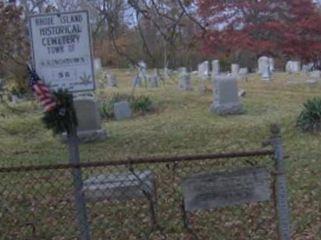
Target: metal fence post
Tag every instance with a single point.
(80, 202)
(283, 213)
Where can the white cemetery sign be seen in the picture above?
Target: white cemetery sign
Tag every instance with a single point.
(62, 55)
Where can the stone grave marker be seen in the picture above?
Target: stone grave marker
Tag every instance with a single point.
(142, 72)
(235, 68)
(122, 110)
(89, 121)
(154, 80)
(119, 186)
(243, 73)
(185, 82)
(203, 70)
(111, 80)
(215, 68)
(226, 99)
(293, 67)
(265, 68)
(271, 64)
(97, 64)
(137, 81)
(208, 191)
(307, 67)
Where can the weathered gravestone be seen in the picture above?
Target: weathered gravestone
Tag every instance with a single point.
(235, 68)
(265, 68)
(154, 80)
(243, 73)
(120, 186)
(137, 81)
(203, 70)
(226, 99)
(89, 121)
(206, 191)
(315, 77)
(293, 67)
(185, 82)
(97, 64)
(142, 72)
(215, 68)
(122, 110)
(111, 80)
(271, 64)
(307, 67)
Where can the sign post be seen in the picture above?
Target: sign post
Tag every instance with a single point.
(62, 57)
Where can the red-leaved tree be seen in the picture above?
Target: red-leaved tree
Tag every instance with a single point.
(280, 28)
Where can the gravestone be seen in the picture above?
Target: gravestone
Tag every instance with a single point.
(271, 65)
(89, 121)
(137, 81)
(293, 67)
(154, 80)
(142, 72)
(265, 68)
(166, 73)
(315, 75)
(263, 63)
(97, 64)
(119, 186)
(206, 191)
(203, 70)
(243, 73)
(185, 82)
(111, 80)
(307, 67)
(122, 110)
(215, 68)
(226, 99)
(314, 78)
(235, 68)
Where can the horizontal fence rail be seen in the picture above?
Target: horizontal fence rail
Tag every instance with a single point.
(141, 160)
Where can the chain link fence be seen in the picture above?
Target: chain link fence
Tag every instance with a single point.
(129, 199)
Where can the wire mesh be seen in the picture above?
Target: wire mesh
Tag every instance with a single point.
(128, 200)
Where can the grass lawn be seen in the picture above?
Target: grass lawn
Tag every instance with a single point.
(182, 124)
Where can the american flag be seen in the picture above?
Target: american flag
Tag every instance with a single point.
(41, 91)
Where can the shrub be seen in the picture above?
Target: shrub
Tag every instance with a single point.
(140, 104)
(310, 118)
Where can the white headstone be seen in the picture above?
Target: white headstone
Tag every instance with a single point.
(142, 72)
(235, 68)
(111, 80)
(154, 80)
(293, 67)
(265, 68)
(271, 65)
(215, 68)
(97, 64)
(185, 82)
(137, 81)
(226, 99)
